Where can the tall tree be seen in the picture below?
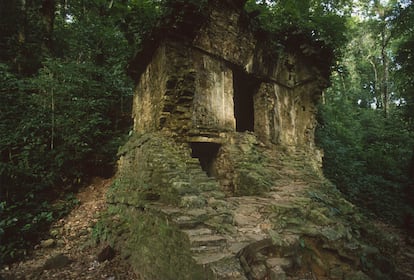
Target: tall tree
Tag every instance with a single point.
(405, 59)
(64, 107)
(366, 139)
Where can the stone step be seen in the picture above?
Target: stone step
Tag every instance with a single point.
(198, 232)
(186, 222)
(192, 162)
(193, 201)
(206, 249)
(183, 188)
(228, 269)
(208, 240)
(195, 167)
(283, 263)
(165, 209)
(215, 194)
(184, 98)
(207, 258)
(206, 179)
(208, 186)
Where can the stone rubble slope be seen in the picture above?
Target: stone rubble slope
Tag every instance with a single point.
(172, 221)
(68, 252)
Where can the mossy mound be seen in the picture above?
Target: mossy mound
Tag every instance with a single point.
(155, 248)
(174, 221)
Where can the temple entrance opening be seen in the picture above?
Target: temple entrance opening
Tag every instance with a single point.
(206, 153)
(244, 86)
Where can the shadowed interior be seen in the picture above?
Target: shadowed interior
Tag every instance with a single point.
(206, 153)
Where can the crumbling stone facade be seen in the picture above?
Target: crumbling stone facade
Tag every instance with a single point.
(221, 81)
(219, 179)
(203, 90)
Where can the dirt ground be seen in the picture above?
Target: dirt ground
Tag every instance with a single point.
(71, 254)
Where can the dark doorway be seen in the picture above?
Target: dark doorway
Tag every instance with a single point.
(245, 86)
(206, 153)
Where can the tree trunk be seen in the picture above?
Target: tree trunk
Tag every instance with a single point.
(52, 138)
(376, 91)
(385, 40)
(21, 35)
(48, 19)
(385, 79)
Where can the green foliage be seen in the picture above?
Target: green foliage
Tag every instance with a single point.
(405, 59)
(298, 23)
(100, 231)
(24, 35)
(62, 120)
(15, 216)
(367, 156)
(141, 17)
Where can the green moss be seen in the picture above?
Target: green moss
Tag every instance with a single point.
(155, 247)
(252, 177)
(250, 180)
(156, 168)
(317, 217)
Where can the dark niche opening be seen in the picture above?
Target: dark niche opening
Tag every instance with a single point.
(206, 153)
(244, 86)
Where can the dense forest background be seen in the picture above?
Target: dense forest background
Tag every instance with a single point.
(65, 98)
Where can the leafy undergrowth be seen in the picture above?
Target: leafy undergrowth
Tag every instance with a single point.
(71, 239)
(23, 223)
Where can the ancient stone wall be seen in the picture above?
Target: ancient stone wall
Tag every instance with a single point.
(221, 177)
(212, 108)
(286, 116)
(197, 96)
(226, 35)
(149, 94)
(197, 89)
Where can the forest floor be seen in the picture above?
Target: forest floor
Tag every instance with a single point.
(69, 251)
(72, 254)
(404, 258)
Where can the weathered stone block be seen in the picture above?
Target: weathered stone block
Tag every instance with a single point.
(277, 273)
(258, 271)
(283, 263)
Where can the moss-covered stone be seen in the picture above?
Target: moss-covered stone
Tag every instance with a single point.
(156, 249)
(158, 169)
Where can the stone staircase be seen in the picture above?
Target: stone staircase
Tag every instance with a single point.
(301, 228)
(234, 237)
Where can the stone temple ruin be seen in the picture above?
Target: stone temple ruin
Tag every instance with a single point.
(218, 180)
(202, 90)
